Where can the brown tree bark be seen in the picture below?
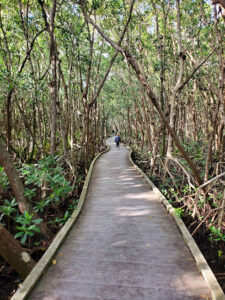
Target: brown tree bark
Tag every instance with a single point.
(147, 127)
(53, 83)
(18, 188)
(175, 89)
(53, 62)
(162, 58)
(15, 255)
(219, 38)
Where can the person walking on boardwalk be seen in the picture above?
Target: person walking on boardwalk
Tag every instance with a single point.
(117, 141)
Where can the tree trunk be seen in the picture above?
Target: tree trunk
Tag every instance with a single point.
(176, 89)
(144, 110)
(18, 188)
(14, 179)
(15, 255)
(160, 49)
(9, 125)
(210, 143)
(53, 83)
(129, 124)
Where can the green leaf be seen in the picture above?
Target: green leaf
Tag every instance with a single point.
(36, 229)
(37, 221)
(18, 234)
(24, 238)
(21, 228)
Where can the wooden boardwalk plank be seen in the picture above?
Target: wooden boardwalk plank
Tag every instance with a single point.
(124, 245)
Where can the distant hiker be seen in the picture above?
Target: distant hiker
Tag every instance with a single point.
(117, 141)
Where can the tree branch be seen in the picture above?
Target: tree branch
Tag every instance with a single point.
(195, 70)
(29, 51)
(94, 99)
(143, 81)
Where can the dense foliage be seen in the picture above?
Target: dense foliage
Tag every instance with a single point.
(66, 84)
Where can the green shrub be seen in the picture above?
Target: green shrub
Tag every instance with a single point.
(28, 226)
(8, 208)
(216, 234)
(46, 172)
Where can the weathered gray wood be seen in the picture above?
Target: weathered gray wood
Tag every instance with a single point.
(124, 245)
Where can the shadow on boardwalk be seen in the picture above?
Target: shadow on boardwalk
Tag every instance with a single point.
(124, 244)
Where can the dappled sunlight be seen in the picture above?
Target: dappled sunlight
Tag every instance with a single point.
(151, 196)
(51, 297)
(119, 243)
(125, 178)
(192, 281)
(138, 185)
(128, 174)
(127, 170)
(115, 168)
(130, 183)
(133, 211)
(125, 183)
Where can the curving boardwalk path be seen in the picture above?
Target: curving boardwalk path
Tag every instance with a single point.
(124, 245)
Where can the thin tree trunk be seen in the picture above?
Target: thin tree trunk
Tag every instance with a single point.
(53, 83)
(176, 88)
(26, 124)
(144, 109)
(161, 42)
(210, 143)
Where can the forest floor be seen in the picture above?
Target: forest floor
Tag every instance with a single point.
(9, 280)
(209, 248)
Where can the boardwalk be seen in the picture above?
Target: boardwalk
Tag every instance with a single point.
(123, 246)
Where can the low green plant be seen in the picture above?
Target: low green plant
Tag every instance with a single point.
(28, 226)
(31, 175)
(46, 172)
(174, 193)
(30, 193)
(179, 212)
(8, 208)
(219, 252)
(73, 205)
(201, 203)
(186, 189)
(61, 221)
(40, 205)
(216, 234)
(79, 180)
(220, 196)
(164, 191)
(36, 244)
(60, 187)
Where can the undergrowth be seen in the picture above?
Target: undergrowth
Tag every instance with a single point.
(48, 187)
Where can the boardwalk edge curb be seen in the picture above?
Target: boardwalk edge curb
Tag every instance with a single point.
(215, 289)
(31, 280)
